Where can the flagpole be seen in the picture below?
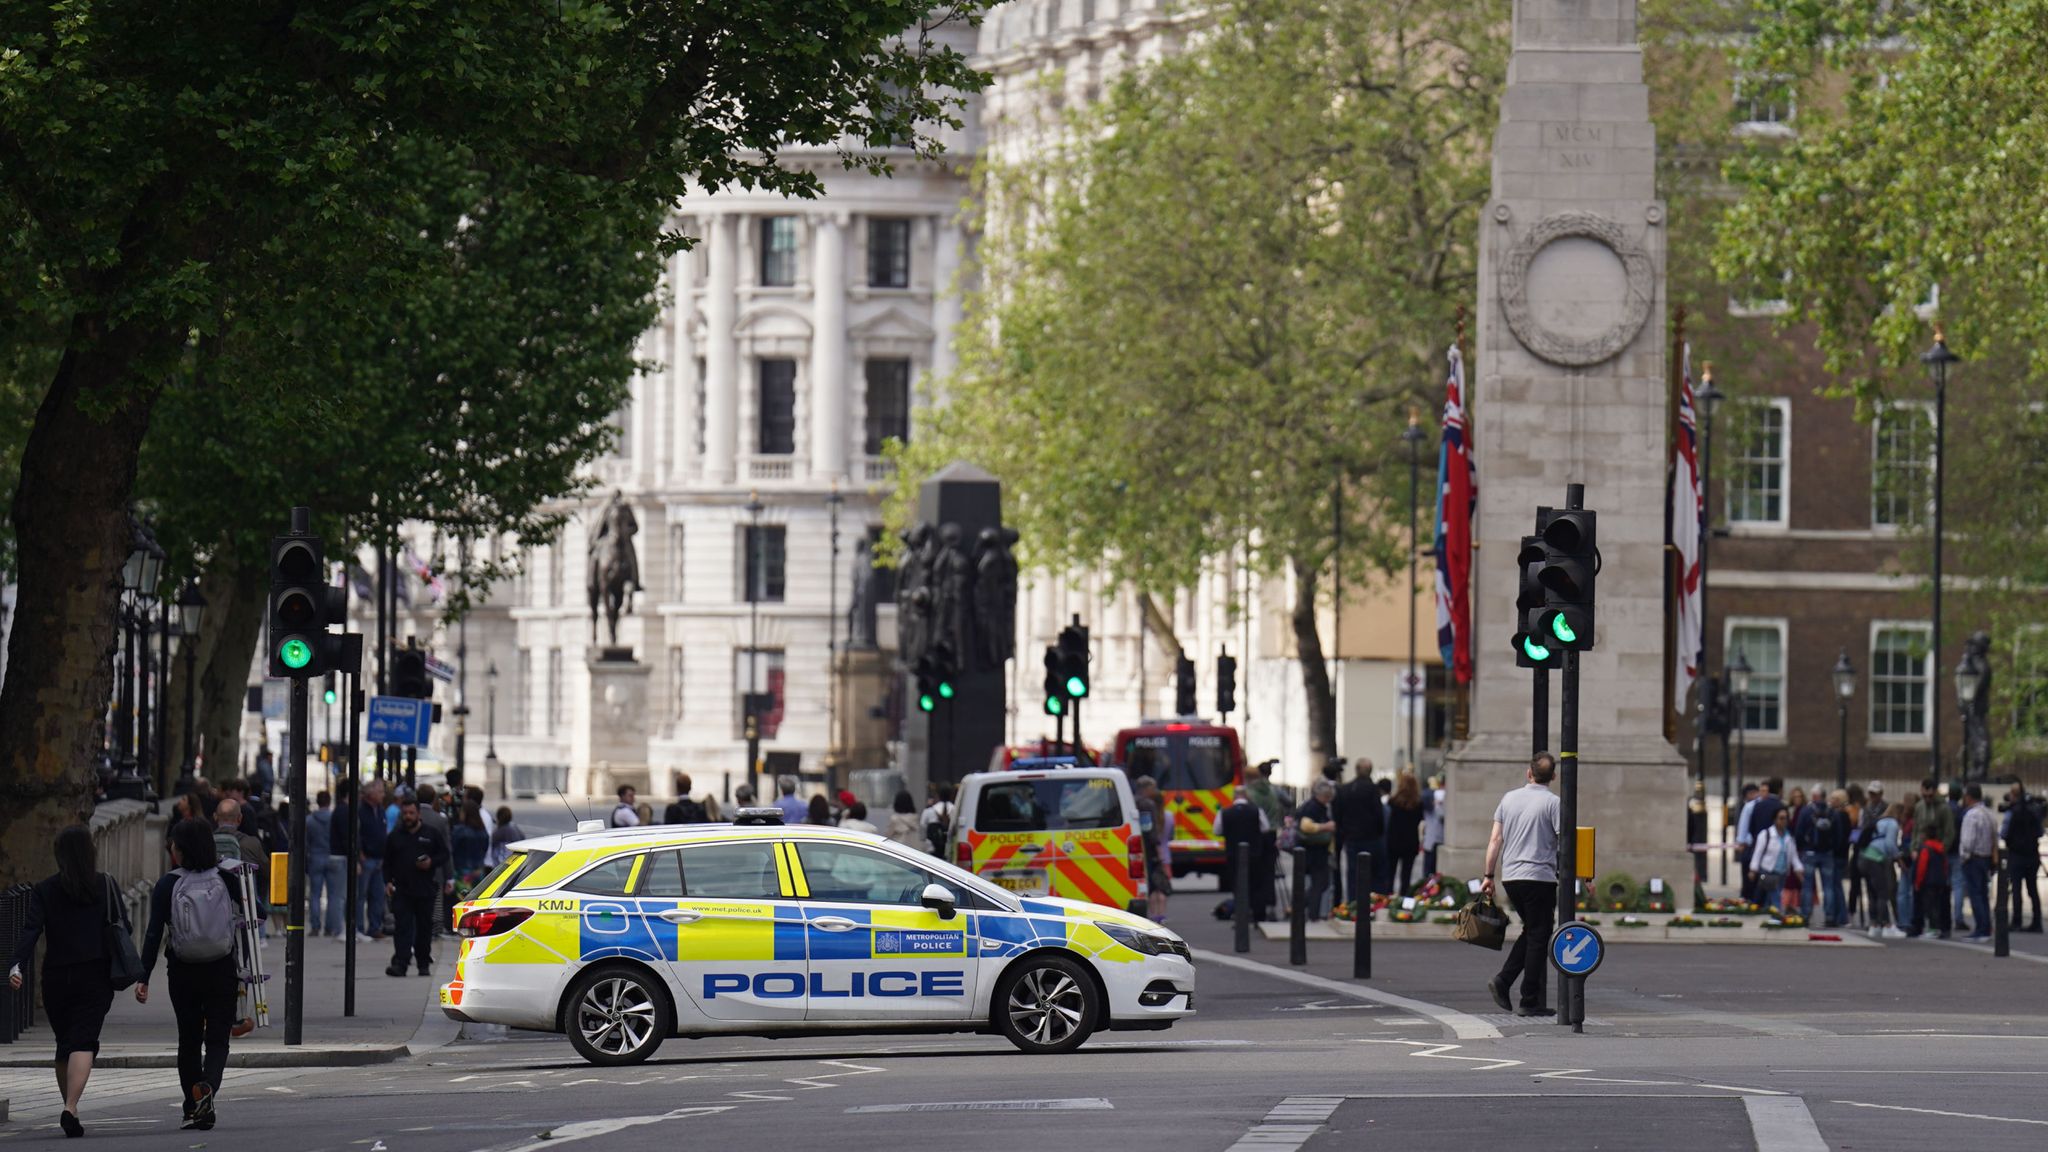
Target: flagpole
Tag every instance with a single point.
(1461, 709)
(1673, 578)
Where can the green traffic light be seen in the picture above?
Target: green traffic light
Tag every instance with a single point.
(1562, 629)
(1054, 706)
(1077, 687)
(295, 653)
(328, 696)
(1534, 649)
(946, 689)
(925, 703)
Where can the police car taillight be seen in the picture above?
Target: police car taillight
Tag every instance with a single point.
(1137, 851)
(491, 921)
(963, 855)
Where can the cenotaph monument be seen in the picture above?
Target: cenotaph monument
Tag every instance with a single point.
(1571, 388)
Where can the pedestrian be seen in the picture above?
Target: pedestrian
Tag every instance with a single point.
(468, 843)
(1522, 854)
(1241, 826)
(1877, 860)
(904, 827)
(1383, 862)
(1404, 832)
(1432, 823)
(414, 857)
(856, 819)
(624, 814)
(1852, 875)
(1315, 833)
(1934, 837)
(371, 835)
(231, 842)
(430, 800)
(475, 795)
(1696, 830)
(1273, 812)
(1813, 828)
(1746, 840)
(199, 961)
(73, 911)
(505, 835)
(1155, 831)
(1977, 847)
(2023, 852)
(265, 776)
(342, 830)
(743, 796)
(1362, 827)
(1777, 862)
(684, 810)
(842, 802)
(794, 811)
(937, 817)
(323, 887)
(819, 811)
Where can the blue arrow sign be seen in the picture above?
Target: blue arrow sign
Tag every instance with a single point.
(1576, 949)
(399, 720)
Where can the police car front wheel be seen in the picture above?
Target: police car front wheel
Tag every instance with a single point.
(1047, 1004)
(617, 1016)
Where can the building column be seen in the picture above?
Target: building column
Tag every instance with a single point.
(828, 347)
(679, 414)
(721, 351)
(945, 297)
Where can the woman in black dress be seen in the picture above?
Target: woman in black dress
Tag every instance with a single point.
(71, 911)
(1404, 830)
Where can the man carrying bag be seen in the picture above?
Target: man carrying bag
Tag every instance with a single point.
(1523, 854)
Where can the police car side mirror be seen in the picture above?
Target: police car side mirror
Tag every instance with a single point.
(940, 899)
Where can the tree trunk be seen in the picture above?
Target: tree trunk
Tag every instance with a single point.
(1315, 677)
(224, 669)
(72, 531)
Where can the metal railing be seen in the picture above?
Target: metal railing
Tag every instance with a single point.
(17, 1007)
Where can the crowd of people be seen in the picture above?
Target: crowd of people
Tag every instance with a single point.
(1849, 857)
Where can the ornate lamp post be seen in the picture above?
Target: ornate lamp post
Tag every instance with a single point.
(139, 576)
(832, 504)
(1738, 683)
(1413, 435)
(1845, 690)
(491, 766)
(1938, 359)
(756, 581)
(191, 616)
(1973, 684)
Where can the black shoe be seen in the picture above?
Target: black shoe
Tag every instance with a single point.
(72, 1128)
(199, 1109)
(1525, 1011)
(1500, 994)
(2034, 927)
(395, 970)
(426, 969)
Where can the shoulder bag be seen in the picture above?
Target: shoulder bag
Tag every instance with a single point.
(124, 963)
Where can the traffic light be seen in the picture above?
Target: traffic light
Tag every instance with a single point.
(936, 670)
(1226, 684)
(409, 673)
(328, 694)
(303, 606)
(1055, 683)
(1074, 660)
(1570, 564)
(1183, 685)
(1532, 647)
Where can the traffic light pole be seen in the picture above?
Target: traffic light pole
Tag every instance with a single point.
(1539, 724)
(295, 906)
(1570, 990)
(355, 850)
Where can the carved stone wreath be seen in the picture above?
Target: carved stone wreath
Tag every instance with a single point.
(1576, 351)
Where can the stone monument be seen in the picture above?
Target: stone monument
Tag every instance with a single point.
(937, 583)
(1571, 387)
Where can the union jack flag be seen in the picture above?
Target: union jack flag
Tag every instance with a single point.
(1457, 497)
(1688, 521)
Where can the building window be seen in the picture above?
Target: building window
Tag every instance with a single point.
(675, 683)
(1901, 668)
(888, 403)
(1755, 493)
(1764, 105)
(522, 694)
(888, 253)
(778, 251)
(761, 674)
(558, 563)
(763, 565)
(777, 424)
(697, 401)
(1762, 643)
(675, 561)
(1902, 466)
(555, 693)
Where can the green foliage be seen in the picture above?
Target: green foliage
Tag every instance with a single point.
(1225, 288)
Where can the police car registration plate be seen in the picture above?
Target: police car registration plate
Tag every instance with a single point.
(1022, 883)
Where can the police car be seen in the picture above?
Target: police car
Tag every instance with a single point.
(621, 938)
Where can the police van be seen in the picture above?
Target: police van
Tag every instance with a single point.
(621, 938)
(1058, 830)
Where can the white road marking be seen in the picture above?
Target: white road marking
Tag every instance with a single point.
(1576, 1076)
(1322, 1006)
(1905, 1072)
(1746, 1090)
(1463, 1025)
(585, 1129)
(811, 1083)
(1939, 1112)
(1442, 1052)
(1073, 1104)
(1288, 1125)
(1400, 1021)
(1984, 948)
(1782, 1124)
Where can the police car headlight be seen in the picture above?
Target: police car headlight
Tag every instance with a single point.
(1149, 943)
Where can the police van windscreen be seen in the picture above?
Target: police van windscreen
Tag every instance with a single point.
(1182, 761)
(1048, 806)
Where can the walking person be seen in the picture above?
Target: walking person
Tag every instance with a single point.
(73, 911)
(324, 885)
(469, 842)
(1155, 829)
(1977, 847)
(1878, 860)
(684, 810)
(1404, 832)
(1314, 831)
(1522, 854)
(1241, 827)
(1934, 837)
(341, 832)
(196, 903)
(794, 811)
(503, 836)
(2023, 853)
(1362, 825)
(1777, 861)
(1432, 823)
(371, 834)
(1861, 816)
(414, 856)
(904, 826)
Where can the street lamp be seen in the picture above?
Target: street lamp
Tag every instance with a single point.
(1845, 690)
(1972, 673)
(756, 581)
(1738, 683)
(832, 502)
(1414, 436)
(1938, 359)
(491, 767)
(1709, 401)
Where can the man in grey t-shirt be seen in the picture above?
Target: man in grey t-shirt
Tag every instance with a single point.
(1523, 854)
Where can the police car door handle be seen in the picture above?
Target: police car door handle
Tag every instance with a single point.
(834, 924)
(680, 915)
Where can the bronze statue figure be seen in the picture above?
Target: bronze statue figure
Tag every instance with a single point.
(952, 579)
(1977, 714)
(995, 597)
(860, 613)
(614, 566)
(912, 574)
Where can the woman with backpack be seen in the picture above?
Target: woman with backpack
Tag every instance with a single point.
(197, 903)
(77, 912)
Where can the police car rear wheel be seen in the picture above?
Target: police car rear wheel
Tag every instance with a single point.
(617, 1016)
(1047, 1004)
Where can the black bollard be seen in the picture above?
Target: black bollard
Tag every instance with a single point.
(1361, 920)
(1241, 890)
(1297, 923)
(2001, 939)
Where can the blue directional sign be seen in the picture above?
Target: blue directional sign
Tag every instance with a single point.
(399, 720)
(1576, 949)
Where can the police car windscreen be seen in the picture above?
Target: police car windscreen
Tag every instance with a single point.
(1182, 762)
(1048, 806)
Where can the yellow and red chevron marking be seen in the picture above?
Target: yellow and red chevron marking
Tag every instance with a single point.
(1196, 811)
(1096, 870)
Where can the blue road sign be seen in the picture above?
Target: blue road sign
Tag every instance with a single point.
(1576, 949)
(400, 720)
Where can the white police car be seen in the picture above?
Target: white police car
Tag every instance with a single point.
(623, 937)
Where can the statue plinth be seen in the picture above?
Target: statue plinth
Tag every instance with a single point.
(608, 741)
